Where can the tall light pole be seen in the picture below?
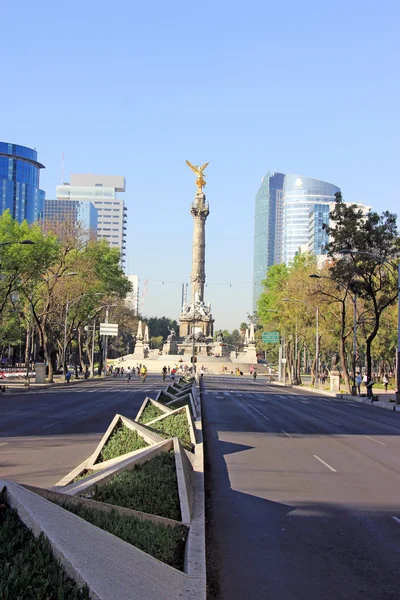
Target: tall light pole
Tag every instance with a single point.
(67, 307)
(28, 337)
(316, 335)
(384, 261)
(354, 300)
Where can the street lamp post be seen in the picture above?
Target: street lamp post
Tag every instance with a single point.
(316, 382)
(354, 300)
(65, 326)
(316, 335)
(28, 337)
(194, 340)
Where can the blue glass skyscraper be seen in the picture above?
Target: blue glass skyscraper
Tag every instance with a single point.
(19, 183)
(267, 229)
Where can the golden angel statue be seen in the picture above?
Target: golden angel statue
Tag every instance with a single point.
(200, 181)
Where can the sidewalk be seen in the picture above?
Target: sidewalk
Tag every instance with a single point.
(18, 387)
(386, 399)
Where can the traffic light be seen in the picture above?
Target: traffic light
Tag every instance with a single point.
(193, 359)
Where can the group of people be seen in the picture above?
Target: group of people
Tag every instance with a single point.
(139, 370)
(363, 379)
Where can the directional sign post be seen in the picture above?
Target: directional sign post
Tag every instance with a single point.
(270, 337)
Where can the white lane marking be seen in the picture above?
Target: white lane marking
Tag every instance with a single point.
(304, 402)
(286, 433)
(51, 425)
(91, 391)
(374, 440)
(80, 413)
(257, 411)
(325, 419)
(396, 519)
(3, 443)
(44, 404)
(102, 404)
(12, 412)
(324, 463)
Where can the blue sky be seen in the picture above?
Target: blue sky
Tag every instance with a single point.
(135, 88)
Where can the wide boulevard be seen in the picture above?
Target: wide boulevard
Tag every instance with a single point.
(45, 434)
(302, 494)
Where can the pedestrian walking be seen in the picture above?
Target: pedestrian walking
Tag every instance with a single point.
(358, 382)
(365, 380)
(67, 377)
(385, 381)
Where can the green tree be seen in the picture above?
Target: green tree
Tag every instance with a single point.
(160, 326)
(369, 269)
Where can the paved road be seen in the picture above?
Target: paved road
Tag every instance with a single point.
(303, 495)
(43, 435)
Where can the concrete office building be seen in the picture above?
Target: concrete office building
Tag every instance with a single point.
(102, 191)
(19, 183)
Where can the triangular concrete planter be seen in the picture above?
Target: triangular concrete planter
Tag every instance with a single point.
(185, 409)
(163, 407)
(184, 472)
(148, 436)
(111, 567)
(190, 403)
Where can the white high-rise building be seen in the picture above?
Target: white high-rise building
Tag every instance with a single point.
(132, 299)
(101, 190)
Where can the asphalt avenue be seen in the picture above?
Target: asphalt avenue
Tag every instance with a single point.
(302, 495)
(44, 434)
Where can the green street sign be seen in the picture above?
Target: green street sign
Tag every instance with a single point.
(270, 337)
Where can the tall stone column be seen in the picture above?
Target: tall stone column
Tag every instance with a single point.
(200, 212)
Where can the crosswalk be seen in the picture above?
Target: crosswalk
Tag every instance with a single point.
(101, 390)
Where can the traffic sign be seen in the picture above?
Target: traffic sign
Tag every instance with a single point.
(270, 337)
(108, 328)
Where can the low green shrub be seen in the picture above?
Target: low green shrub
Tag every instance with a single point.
(121, 441)
(150, 412)
(151, 487)
(175, 425)
(28, 569)
(165, 543)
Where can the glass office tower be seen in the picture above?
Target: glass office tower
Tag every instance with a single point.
(19, 183)
(80, 212)
(267, 229)
(300, 197)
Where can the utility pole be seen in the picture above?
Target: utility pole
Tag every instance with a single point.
(105, 346)
(94, 333)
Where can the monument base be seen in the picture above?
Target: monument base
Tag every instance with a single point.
(170, 347)
(201, 326)
(334, 378)
(40, 370)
